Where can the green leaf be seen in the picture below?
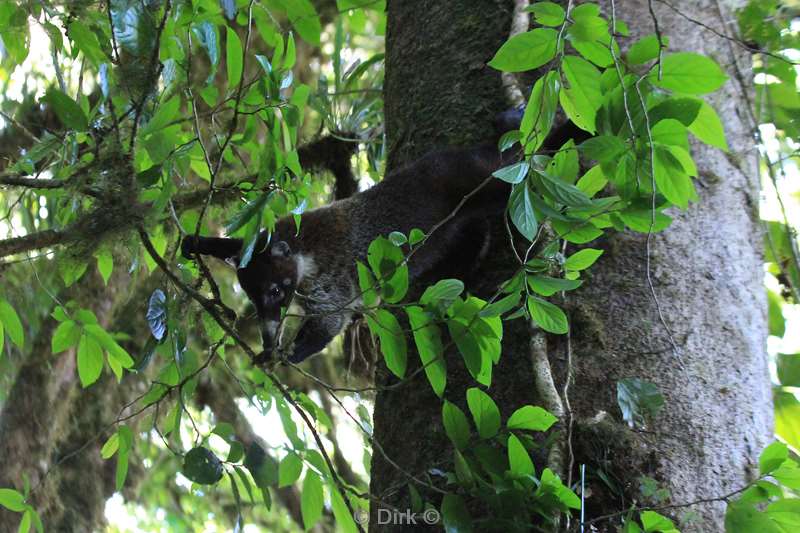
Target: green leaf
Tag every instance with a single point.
(37, 522)
(110, 447)
(11, 323)
(564, 192)
(513, 173)
(531, 417)
(539, 112)
(455, 515)
(672, 180)
(641, 220)
(455, 425)
(201, 466)
(776, 321)
(520, 209)
(593, 181)
(109, 344)
(428, 339)
(393, 340)
(397, 238)
(12, 500)
(67, 335)
(518, 458)
(501, 306)
(443, 293)
(645, 49)
(264, 468)
(90, 360)
(603, 148)
(478, 339)
(312, 500)
(772, 457)
(25, 523)
(233, 57)
(165, 114)
(596, 52)
(15, 33)
(484, 412)
(565, 164)
(708, 127)
(785, 512)
(387, 262)
(125, 446)
(251, 210)
(121, 472)
(582, 98)
(304, 18)
(689, 73)
(550, 484)
(341, 514)
(476, 354)
(67, 110)
(653, 521)
(587, 26)
(576, 233)
(788, 474)
(291, 53)
(789, 369)
(289, 470)
(86, 41)
(416, 236)
(105, 264)
(582, 259)
(547, 13)
(684, 110)
(547, 316)
(744, 518)
(637, 399)
(547, 286)
(526, 51)
(367, 284)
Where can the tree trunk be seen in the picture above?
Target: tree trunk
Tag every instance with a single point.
(706, 273)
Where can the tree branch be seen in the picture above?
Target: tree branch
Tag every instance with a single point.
(33, 241)
(31, 183)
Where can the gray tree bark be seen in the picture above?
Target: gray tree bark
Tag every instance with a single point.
(706, 272)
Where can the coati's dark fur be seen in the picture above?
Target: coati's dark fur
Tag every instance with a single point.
(317, 268)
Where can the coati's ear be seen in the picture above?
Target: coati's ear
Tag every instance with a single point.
(223, 248)
(281, 249)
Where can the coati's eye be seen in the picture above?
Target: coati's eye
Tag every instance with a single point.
(275, 292)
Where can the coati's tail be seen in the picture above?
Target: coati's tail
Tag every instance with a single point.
(220, 247)
(333, 153)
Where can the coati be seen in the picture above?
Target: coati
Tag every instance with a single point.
(317, 267)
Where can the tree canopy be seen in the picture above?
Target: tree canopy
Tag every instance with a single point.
(128, 125)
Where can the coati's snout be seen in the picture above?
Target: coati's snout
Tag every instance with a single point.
(269, 279)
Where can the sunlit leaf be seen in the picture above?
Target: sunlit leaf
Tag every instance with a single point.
(526, 51)
(688, 72)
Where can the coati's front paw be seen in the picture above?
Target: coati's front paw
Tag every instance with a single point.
(285, 353)
(264, 359)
